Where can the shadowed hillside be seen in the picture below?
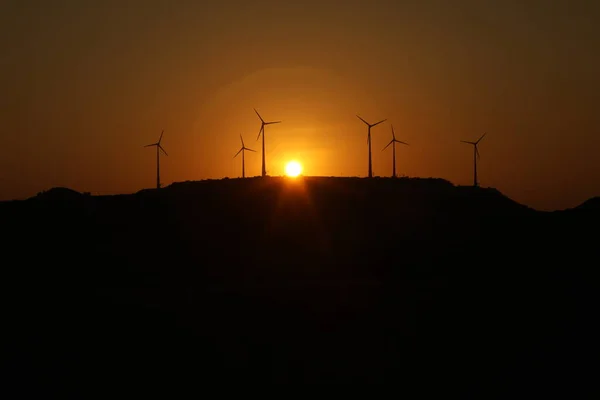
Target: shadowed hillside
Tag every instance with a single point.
(307, 280)
(592, 205)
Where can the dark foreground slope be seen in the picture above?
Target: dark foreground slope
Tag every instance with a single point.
(309, 280)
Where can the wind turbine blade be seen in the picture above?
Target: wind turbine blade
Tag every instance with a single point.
(242, 139)
(393, 133)
(399, 141)
(245, 148)
(272, 122)
(239, 151)
(259, 115)
(153, 144)
(464, 141)
(377, 123)
(260, 131)
(163, 150)
(388, 145)
(481, 137)
(362, 120)
(161, 135)
(477, 152)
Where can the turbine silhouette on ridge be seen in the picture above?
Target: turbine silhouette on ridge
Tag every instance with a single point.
(393, 143)
(262, 130)
(243, 150)
(158, 149)
(475, 157)
(369, 141)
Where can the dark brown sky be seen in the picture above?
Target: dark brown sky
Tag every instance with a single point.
(85, 84)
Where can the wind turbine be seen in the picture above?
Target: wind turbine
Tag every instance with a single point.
(369, 141)
(158, 148)
(475, 157)
(393, 143)
(262, 130)
(242, 150)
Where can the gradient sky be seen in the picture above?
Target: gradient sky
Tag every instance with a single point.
(84, 85)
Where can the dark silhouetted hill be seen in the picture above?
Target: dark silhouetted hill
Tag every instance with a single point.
(404, 281)
(592, 204)
(58, 194)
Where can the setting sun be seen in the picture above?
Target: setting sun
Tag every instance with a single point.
(293, 169)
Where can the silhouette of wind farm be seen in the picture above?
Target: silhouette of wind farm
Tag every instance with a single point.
(261, 131)
(315, 280)
(413, 271)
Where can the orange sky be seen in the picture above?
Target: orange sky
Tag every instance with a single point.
(84, 88)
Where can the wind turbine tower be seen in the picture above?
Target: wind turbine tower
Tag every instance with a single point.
(159, 148)
(369, 141)
(475, 157)
(262, 130)
(393, 143)
(243, 150)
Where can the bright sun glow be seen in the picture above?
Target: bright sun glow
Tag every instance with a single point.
(293, 169)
